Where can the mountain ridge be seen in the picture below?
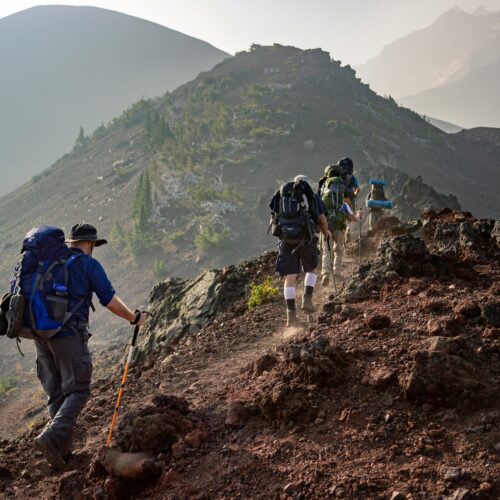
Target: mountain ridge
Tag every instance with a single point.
(88, 64)
(425, 59)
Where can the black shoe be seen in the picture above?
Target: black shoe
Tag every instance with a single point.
(49, 451)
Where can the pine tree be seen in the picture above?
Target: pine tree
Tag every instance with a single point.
(82, 140)
(147, 200)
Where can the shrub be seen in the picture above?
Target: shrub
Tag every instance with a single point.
(160, 269)
(210, 239)
(7, 383)
(260, 294)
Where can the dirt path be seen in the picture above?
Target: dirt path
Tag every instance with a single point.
(196, 380)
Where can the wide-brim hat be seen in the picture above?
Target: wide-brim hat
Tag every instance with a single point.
(85, 232)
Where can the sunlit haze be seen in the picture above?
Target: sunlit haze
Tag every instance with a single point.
(351, 30)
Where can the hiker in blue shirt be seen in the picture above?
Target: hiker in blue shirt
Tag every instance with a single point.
(64, 363)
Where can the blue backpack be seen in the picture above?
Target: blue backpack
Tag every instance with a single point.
(40, 283)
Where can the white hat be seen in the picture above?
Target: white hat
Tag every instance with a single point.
(301, 177)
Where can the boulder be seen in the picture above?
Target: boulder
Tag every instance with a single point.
(442, 344)
(154, 427)
(444, 326)
(130, 465)
(114, 488)
(467, 308)
(380, 377)
(263, 364)
(71, 485)
(196, 438)
(491, 313)
(236, 414)
(441, 379)
(378, 321)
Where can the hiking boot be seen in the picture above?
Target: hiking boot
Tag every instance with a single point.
(325, 280)
(291, 318)
(49, 451)
(307, 304)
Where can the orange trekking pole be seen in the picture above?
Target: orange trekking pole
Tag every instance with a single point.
(124, 378)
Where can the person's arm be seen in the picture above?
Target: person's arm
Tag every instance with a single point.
(104, 290)
(118, 307)
(323, 225)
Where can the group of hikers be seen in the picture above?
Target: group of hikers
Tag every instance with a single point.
(52, 288)
(306, 221)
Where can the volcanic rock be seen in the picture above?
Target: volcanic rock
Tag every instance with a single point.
(152, 428)
(130, 465)
(380, 377)
(445, 325)
(379, 321)
(440, 378)
(196, 438)
(71, 485)
(236, 414)
(491, 313)
(263, 364)
(467, 308)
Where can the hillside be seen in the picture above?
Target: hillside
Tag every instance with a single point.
(449, 128)
(64, 67)
(181, 183)
(391, 393)
(473, 100)
(444, 52)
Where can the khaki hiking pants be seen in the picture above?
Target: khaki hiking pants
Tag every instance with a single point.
(337, 253)
(373, 217)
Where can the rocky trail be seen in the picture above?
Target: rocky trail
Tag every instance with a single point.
(391, 393)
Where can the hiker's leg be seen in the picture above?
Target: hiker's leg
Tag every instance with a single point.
(289, 292)
(75, 366)
(338, 250)
(310, 259)
(326, 265)
(288, 265)
(373, 219)
(49, 376)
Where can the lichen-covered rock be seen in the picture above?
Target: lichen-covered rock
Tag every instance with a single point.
(181, 307)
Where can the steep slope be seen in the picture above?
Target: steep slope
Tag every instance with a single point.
(392, 393)
(473, 100)
(63, 67)
(444, 52)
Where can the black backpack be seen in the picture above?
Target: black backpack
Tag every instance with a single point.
(293, 223)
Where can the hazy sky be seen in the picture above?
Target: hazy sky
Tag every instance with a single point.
(351, 30)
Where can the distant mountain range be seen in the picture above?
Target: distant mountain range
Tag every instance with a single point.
(63, 67)
(449, 70)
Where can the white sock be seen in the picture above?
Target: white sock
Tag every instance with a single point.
(289, 292)
(310, 280)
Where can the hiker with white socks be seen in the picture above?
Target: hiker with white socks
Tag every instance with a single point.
(296, 212)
